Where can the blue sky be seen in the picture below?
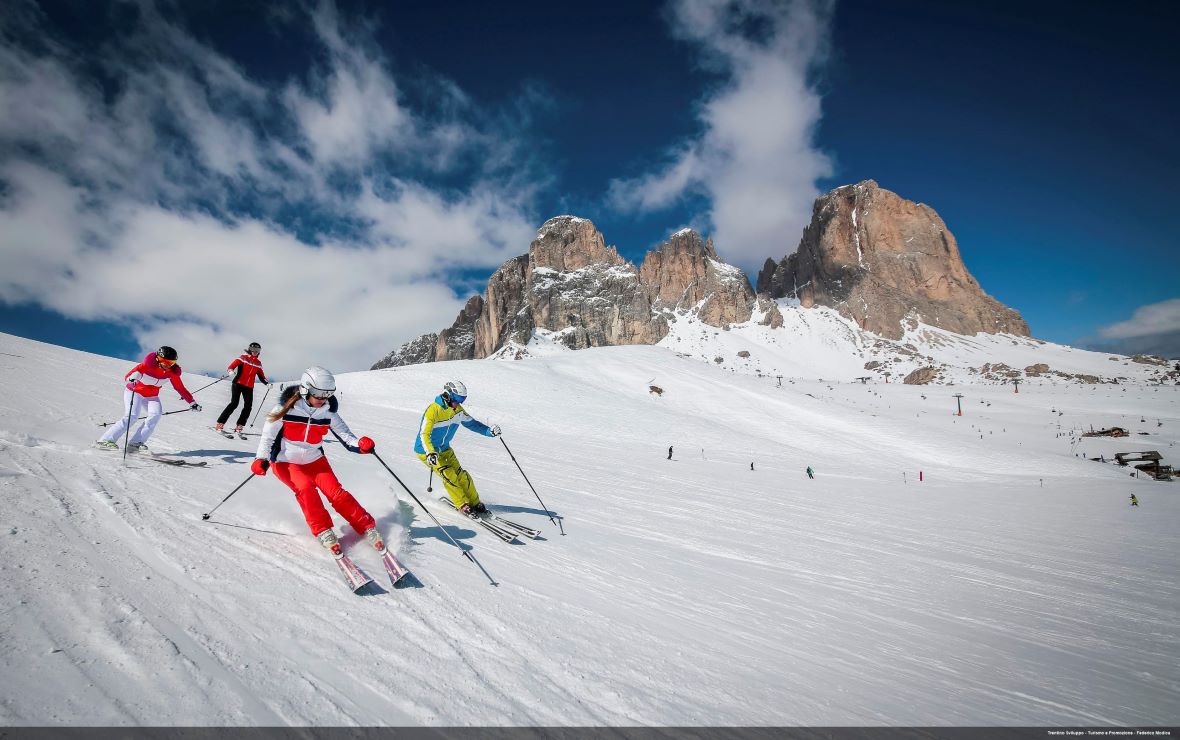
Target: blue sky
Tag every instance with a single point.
(335, 178)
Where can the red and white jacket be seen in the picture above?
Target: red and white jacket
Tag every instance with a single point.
(152, 376)
(248, 366)
(297, 436)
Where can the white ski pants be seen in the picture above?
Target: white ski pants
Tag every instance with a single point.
(151, 407)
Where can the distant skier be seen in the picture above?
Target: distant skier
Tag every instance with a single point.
(142, 396)
(751, 466)
(291, 440)
(440, 422)
(1134, 501)
(810, 473)
(248, 368)
(669, 452)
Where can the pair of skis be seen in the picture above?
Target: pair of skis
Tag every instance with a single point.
(505, 530)
(230, 435)
(177, 461)
(356, 579)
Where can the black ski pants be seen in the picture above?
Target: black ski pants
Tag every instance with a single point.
(238, 391)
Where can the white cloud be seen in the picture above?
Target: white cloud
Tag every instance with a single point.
(352, 108)
(159, 202)
(1154, 318)
(755, 161)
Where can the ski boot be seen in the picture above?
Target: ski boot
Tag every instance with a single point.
(138, 447)
(104, 444)
(375, 539)
(328, 539)
(480, 511)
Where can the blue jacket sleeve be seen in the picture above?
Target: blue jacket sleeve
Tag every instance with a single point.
(476, 425)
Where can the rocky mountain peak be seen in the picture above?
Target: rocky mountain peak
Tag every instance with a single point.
(886, 263)
(685, 273)
(567, 243)
(574, 289)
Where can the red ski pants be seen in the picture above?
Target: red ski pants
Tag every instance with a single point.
(304, 480)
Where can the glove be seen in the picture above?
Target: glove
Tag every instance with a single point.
(496, 430)
(432, 459)
(259, 467)
(365, 445)
(195, 406)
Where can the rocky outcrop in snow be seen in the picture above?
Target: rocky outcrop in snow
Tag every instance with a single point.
(921, 376)
(885, 263)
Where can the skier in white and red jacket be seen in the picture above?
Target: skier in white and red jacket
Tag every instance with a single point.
(142, 396)
(291, 444)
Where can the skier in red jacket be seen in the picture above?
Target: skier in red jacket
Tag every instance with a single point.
(292, 445)
(142, 396)
(247, 367)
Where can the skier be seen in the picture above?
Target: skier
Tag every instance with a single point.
(669, 452)
(439, 423)
(1134, 501)
(247, 367)
(291, 440)
(810, 473)
(142, 396)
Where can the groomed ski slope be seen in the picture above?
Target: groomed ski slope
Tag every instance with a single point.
(1013, 586)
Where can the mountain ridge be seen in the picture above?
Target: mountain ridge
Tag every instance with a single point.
(887, 265)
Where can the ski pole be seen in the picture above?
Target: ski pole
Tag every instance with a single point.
(205, 517)
(466, 553)
(215, 382)
(166, 413)
(526, 480)
(430, 481)
(261, 404)
(127, 432)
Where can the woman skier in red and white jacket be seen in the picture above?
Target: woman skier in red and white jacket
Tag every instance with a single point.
(142, 396)
(292, 439)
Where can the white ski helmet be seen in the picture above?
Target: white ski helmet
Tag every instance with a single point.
(318, 382)
(456, 391)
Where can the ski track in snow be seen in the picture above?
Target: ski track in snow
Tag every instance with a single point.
(686, 592)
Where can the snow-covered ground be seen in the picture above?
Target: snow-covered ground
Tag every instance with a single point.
(820, 343)
(1014, 585)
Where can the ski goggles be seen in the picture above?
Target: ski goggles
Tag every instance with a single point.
(458, 399)
(167, 363)
(322, 395)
